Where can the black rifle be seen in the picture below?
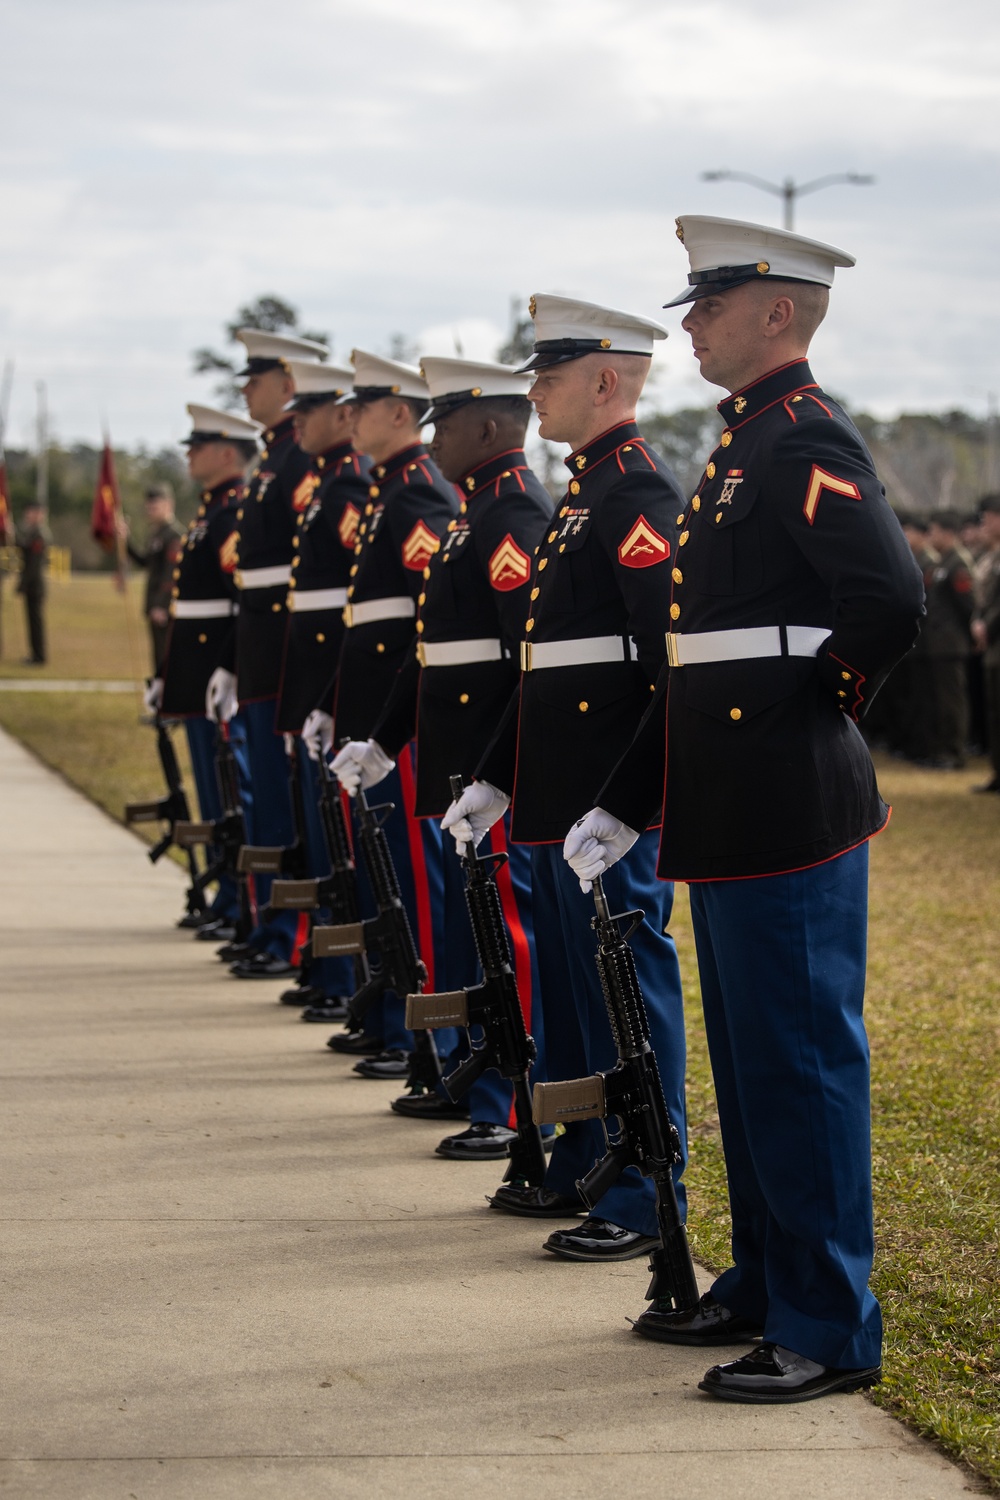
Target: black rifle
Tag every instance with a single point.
(172, 810)
(281, 859)
(632, 1093)
(336, 892)
(494, 1005)
(225, 835)
(388, 935)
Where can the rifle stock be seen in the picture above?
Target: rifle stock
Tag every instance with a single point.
(173, 810)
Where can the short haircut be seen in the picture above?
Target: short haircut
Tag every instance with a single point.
(514, 408)
(417, 408)
(948, 520)
(811, 301)
(245, 447)
(160, 491)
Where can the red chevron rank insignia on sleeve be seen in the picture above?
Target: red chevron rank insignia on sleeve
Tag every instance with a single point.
(347, 526)
(303, 492)
(820, 480)
(229, 553)
(643, 546)
(419, 547)
(509, 566)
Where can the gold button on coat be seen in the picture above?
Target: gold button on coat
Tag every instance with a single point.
(846, 676)
(696, 503)
(379, 648)
(276, 609)
(463, 697)
(574, 489)
(680, 519)
(535, 593)
(584, 706)
(710, 470)
(529, 626)
(543, 565)
(553, 535)
(683, 538)
(736, 713)
(203, 639)
(675, 611)
(320, 636)
(726, 439)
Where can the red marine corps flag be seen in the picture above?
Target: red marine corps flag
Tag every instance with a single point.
(107, 503)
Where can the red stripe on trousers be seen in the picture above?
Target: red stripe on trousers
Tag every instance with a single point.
(425, 929)
(518, 936)
(302, 933)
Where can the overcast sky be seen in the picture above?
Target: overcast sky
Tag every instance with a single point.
(410, 165)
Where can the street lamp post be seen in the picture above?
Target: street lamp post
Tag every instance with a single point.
(788, 190)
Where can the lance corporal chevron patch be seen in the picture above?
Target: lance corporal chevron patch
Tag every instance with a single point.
(643, 546)
(509, 566)
(229, 553)
(303, 492)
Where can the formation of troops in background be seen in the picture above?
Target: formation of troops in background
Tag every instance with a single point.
(623, 689)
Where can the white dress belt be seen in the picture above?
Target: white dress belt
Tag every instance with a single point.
(583, 652)
(263, 578)
(457, 653)
(302, 600)
(398, 607)
(743, 645)
(202, 609)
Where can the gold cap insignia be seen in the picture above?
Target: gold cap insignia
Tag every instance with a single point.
(680, 230)
(531, 306)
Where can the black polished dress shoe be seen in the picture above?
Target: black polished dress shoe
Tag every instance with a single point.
(355, 1044)
(261, 966)
(300, 995)
(326, 1008)
(195, 919)
(481, 1142)
(216, 931)
(706, 1324)
(230, 952)
(599, 1239)
(535, 1202)
(429, 1106)
(773, 1376)
(390, 1065)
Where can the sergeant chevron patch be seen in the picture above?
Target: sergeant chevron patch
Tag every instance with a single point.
(303, 492)
(347, 526)
(643, 546)
(419, 547)
(820, 480)
(229, 553)
(509, 566)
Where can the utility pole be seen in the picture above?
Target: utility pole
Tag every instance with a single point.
(42, 477)
(789, 190)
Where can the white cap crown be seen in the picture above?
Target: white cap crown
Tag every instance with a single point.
(207, 422)
(566, 328)
(374, 375)
(728, 252)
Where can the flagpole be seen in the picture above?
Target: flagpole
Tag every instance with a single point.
(122, 574)
(6, 529)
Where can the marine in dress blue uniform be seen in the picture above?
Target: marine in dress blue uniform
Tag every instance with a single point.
(328, 504)
(266, 528)
(794, 594)
(450, 693)
(406, 514)
(203, 612)
(592, 647)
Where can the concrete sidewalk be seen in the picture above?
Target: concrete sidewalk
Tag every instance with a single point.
(230, 1272)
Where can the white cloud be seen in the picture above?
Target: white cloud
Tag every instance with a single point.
(391, 167)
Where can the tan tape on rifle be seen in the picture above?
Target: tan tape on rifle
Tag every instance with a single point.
(294, 895)
(190, 834)
(259, 859)
(428, 1012)
(142, 812)
(561, 1103)
(335, 942)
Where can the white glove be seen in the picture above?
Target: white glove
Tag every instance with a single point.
(317, 734)
(475, 812)
(221, 703)
(152, 695)
(595, 843)
(361, 763)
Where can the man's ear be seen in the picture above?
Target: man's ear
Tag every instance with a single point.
(779, 319)
(488, 433)
(607, 385)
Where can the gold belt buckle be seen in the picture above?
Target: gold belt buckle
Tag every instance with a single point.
(348, 616)
(421, 654)
(673, 649)
(525, 656)
(238, 578)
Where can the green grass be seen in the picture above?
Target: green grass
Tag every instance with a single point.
(93, 630)
(933, 1016)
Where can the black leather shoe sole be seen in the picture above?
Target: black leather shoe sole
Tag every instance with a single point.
(334, 1010)
(301, 995)
(456, 1149)
(659, 1326)
(195, 919)
(826, 1384)
(562, 1244)
(356, 1044)
(505, 1202)
(428, 1107)
(382, 1072)
(250, 969)
(216, 932)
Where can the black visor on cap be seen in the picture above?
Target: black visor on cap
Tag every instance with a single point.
(199, 436)
(258, 365)
(559, 351)
(724, 278)
(306, 400)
